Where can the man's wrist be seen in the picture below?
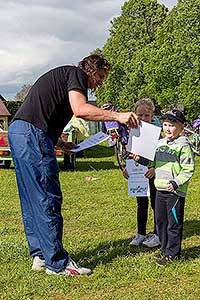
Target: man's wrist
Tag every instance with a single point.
(60, 143)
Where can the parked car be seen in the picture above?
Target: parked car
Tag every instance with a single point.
(73, 132)
(5, 154)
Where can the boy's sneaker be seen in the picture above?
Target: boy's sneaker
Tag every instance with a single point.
(71, 269)
(38, 263)
(137, 240)
(164, 260)
(152, 241)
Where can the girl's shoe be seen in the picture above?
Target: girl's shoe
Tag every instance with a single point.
(137, 240)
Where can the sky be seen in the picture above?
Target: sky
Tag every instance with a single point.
(37, 35)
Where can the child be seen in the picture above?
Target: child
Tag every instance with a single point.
(144, 109)
(174, 166)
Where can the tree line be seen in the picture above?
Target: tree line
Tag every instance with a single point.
(154, 53)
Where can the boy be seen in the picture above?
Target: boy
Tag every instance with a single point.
(174, 166)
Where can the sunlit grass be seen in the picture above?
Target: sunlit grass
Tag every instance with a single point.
(99, 222)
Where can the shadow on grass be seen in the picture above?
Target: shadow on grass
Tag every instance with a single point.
(96, 166)
(98, 152)
(90, 165)
(191, 253)
(191, 228)
(105, 253)
(4, 168)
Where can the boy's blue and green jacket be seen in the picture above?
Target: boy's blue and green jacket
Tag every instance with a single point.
(174, 162)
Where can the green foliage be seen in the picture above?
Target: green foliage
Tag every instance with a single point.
(173, 72)
(130, 34)
(99, 222)
(155, 54)
(12, 107)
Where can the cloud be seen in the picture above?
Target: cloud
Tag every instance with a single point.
(169, 3)
(39, 35)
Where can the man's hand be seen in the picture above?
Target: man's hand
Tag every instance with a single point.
(129, 118)
(66, 146)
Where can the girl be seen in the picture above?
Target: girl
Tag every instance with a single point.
(144, 109)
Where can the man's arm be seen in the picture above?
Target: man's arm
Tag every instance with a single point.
(90, 112)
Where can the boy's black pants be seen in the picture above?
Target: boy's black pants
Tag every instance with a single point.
(169, 232)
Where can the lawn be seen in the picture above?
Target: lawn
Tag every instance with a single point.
(99, 222)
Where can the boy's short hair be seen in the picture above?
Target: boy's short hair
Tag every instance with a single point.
(174, 115)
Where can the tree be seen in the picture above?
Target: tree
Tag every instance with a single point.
(12, 107)
(130, 35)
(20, 96)
(173, 72)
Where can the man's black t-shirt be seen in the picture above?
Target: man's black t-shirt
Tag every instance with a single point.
(47, 104)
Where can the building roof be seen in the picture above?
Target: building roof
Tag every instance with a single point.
(2, 98)
(3, 109)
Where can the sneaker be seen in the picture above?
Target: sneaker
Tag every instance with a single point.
(71, 269)
(164, 260)
(38, 263)
(152, 241)
(137, 240)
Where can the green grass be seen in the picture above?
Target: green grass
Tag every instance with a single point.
(99, 222)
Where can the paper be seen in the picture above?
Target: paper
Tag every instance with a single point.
(138, 184)
(92, 141)
(143, 140)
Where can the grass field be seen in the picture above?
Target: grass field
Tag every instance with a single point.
(99, 222)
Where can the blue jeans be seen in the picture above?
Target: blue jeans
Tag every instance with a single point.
(37, 176)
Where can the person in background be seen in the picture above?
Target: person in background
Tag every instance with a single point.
(33, 133)
(144, 109)
(174, 167)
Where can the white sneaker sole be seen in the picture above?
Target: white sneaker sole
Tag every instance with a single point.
(67, 273)
(38, 264)
(38, 268)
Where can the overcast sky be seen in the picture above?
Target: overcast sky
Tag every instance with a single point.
(38, 35)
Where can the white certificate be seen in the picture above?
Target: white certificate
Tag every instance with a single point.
(143, 140)
(92, 141)
(138, 184)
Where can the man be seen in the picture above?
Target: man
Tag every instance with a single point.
(35, 129)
